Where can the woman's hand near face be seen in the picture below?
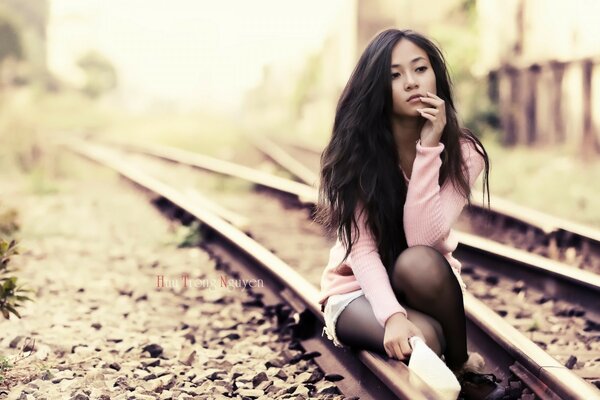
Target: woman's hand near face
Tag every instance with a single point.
(435, 114)
(398, 329)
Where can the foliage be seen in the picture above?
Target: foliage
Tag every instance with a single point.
(40, 183)
(190, 236)
(5, 366)
(8, 222)
(460, 44)
(8, 364)
(101, 76)
(11, 295)
(10, 44)
(28, 144)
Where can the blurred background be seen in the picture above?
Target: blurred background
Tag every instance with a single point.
(203, 74)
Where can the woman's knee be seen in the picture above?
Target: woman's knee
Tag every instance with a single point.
(420, 268)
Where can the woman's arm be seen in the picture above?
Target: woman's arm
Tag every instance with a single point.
(371, 273)
(430, 212)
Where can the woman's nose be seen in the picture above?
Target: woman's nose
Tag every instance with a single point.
(410, 82)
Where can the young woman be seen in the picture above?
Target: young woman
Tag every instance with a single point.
(395, 176)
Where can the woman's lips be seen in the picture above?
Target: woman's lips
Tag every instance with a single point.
(414, 99)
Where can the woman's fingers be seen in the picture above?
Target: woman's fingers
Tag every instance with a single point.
(389, 348)
(399, 353)
(428, 116)
(430, 100)
(388, 352)
(433, 95)
(406, 349)
(399, 350)
(429, 110)
(436, 101)
(432, 114)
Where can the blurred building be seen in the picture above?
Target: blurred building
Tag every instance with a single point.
(22, 40)
(542, 58)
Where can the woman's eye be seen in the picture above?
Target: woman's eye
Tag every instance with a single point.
(421, 69)
(395, 75)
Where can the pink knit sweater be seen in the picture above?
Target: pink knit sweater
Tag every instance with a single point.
(429, 214)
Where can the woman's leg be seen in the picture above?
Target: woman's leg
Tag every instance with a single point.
(428, 289)
(357, 327)
(424, 278)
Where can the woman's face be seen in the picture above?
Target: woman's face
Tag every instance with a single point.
(412, 76)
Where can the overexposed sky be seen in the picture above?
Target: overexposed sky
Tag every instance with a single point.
(190, 51)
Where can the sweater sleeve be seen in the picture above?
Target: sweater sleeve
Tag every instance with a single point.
(430, 212)
(371, 273)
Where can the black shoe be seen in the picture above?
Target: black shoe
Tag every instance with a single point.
(475, 386)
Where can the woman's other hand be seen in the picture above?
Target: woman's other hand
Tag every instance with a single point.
(398, 329)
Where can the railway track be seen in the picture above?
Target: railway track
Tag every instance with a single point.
(521, 357)
(568, 310)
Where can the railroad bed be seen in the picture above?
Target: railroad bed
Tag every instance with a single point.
(174, 176)
(564, 330)
(102, 328)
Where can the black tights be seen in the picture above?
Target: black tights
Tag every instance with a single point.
(425, 285)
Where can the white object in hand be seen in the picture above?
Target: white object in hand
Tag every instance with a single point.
(431, 369)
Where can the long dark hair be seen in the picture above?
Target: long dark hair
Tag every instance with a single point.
(360, 165)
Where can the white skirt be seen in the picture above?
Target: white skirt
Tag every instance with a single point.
(335, 305)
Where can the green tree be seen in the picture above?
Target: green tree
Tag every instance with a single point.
(101, 75)
(10, 45)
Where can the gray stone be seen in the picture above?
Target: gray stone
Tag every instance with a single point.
(42, 352)
(59, 376)
(166, 395)
(250, 392)
(79, 396)
(187, 356)
(15, 342)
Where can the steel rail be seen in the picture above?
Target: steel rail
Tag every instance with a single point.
(304, 193)
(547, 223)
(281, 157)
(544, 375)
(553, 278)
